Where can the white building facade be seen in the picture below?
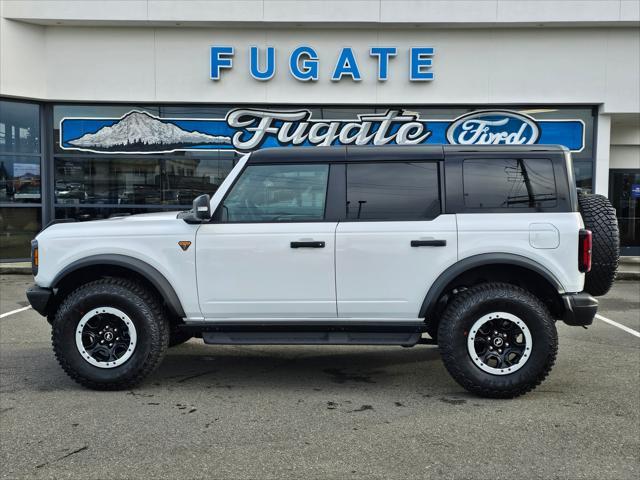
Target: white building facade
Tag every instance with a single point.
(117, 107)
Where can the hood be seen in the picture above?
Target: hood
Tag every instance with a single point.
(141, 224)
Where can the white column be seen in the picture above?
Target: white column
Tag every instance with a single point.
(603, 150)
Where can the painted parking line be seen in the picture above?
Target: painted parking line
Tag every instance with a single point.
(619, 325)
(15, 311)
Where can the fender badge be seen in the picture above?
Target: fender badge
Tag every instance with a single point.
(184, 244)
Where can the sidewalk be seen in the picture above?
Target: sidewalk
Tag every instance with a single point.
(629, 268)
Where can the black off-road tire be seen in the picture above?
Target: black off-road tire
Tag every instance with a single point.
(600, 217)
(145, 311)
(469, 306)
(178, 337)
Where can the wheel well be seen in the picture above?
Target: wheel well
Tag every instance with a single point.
(79, 276)
(516, 275)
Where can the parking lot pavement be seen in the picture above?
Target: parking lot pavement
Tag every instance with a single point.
(320, 412)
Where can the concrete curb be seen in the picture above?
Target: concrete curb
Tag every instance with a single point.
(628, 275)
(17, 268)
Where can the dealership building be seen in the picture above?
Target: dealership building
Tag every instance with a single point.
(133, 106)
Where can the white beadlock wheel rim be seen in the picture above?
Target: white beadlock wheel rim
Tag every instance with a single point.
(125, 345)
(476, 333)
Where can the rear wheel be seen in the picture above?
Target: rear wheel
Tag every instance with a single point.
(110, 334)
(497, 340)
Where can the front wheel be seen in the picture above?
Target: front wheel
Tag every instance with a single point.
(110, 334)
(497, 340)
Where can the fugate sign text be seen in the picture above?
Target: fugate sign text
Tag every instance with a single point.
(304, 63)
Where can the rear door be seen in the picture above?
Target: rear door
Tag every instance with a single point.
(394, 241)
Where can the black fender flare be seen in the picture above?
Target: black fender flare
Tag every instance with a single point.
(151, 274)
(458, 268)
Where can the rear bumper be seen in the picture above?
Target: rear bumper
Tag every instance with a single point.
(40, 299)
(579, 308)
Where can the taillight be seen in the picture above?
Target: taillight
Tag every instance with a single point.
(585, 245)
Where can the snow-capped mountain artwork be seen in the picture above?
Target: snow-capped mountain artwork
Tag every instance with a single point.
(141, 132)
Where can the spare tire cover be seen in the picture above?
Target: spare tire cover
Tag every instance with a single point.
(599, 216)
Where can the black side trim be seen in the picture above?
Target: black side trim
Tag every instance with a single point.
(437, 288)
(39, 299)
(147, 271)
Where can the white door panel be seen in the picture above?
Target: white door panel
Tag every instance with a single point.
(554, 237)
(251, 271)
(378, 272)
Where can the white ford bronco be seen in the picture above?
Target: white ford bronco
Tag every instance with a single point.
(479, 250)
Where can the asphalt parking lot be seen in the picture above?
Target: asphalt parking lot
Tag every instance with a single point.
(320, 412)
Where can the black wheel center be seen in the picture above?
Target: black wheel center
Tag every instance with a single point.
(108, 336)
(498, 342)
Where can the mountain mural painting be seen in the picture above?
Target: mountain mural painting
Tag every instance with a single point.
(140, 132)
(247, 129)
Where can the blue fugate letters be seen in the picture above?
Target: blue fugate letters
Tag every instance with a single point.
(304, 63)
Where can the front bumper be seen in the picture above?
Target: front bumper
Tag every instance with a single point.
(40, 299)
(579, 308)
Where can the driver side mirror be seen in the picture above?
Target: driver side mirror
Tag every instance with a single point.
(202, 208)
(200, 212)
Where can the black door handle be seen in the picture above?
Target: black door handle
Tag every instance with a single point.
(428, 243)
(307, 244)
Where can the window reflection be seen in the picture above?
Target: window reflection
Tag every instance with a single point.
(137, 180)
(20, 179)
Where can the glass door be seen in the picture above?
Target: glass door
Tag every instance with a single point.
(624, 193)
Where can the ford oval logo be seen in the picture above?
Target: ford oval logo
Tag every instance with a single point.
(493, 127)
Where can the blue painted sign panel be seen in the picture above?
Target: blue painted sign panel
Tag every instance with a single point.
(635, 190)
(247, 129)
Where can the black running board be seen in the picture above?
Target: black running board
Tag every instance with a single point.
(304, 333)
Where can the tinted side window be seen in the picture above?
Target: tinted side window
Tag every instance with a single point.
(277, 193)
(509, 183)
(392, 191)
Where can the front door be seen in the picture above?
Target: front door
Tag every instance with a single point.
(269, 253)
(394, 242)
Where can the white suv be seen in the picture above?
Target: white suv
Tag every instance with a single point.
(478, 250)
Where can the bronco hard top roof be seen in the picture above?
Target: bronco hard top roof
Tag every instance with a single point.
(372, 153)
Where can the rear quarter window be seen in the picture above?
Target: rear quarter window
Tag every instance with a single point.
(509, 183)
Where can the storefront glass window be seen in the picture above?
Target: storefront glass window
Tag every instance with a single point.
(20, 192)
(18, 227)
(19, 127)
(137, 181)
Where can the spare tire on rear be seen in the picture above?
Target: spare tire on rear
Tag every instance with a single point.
(599, 216)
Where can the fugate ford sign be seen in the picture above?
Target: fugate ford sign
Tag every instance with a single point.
(304, 62)
(247, 129)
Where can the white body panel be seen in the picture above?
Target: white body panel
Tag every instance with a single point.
(250, 270)
(512, 233)
(379, 274)
(152, 238)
